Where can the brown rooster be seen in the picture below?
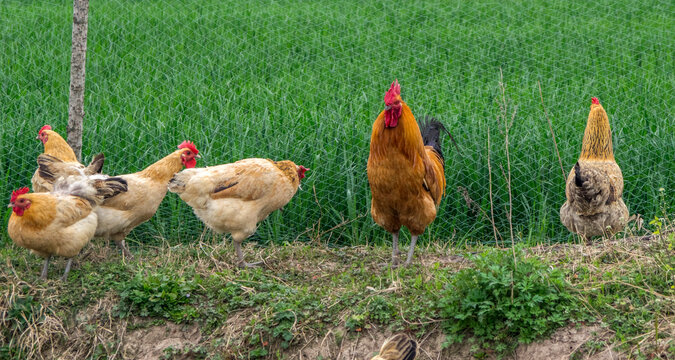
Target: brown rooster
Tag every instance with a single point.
(594, 188)
(118, 215)
(63, 221)
(405, 170)
(234, 198)
(398, 347)
(56, 146)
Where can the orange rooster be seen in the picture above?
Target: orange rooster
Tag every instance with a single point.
(63, 221)
(234, 198)
(398, 347)
(405, 170)
(594, 187)
(118, 215)
(56, 146)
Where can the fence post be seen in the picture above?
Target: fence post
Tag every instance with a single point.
(77, 75)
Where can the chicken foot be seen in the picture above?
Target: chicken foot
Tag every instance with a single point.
(240, 257)
(65, 273)
(45, 267)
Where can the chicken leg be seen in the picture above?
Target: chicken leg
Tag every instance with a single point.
(119, 240)
(65, 273)
(413, 241)
(45, 267)
(394, 251)
(240, 257)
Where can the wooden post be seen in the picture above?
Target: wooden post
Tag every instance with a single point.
(77, 75)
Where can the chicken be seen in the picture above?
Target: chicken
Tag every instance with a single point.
(398, 347)
(63, 221)
(56, 146)
(405, 171)
(594, 188)
(119, 215)
(234, 198)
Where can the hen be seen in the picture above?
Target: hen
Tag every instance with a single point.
(234, 198)
(398, 347)
(63, 221)
(56, 146)
(594, 188)
(405, 170)
(118, 215)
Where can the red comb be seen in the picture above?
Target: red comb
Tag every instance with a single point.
(17, 193)
(595, 101)
(46, 127)
(394, 91)
(188, 145)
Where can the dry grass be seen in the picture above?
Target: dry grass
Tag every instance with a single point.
(72, 320)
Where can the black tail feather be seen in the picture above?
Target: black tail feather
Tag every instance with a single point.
(578, 178)
(431, 134)
(116, 185)
(44, 167)
(96, 164)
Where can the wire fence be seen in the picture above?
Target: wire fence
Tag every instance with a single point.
(304, 80)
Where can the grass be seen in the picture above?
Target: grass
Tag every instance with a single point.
(310, 297)
(305, 80)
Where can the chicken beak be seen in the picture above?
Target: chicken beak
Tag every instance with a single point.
(198, 156)
(10, 205)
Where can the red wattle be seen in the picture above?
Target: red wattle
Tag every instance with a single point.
(392, 116)
(190, 163)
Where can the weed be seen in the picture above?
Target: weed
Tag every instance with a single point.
(499, 304)
(158, 294)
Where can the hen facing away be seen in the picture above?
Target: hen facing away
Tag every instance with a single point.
(398, 347)
(594, 187)
(405, 171)
(57, 147)
(63, 221)
(234, 198)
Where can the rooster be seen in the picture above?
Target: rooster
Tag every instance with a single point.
(63, 221)
(234, 198)
(56, 146)
(118, 215)
(405, 170)
(398, 347)
(594, 188)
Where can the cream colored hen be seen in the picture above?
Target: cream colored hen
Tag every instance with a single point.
(234, 198)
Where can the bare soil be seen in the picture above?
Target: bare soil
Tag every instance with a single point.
(151, 343)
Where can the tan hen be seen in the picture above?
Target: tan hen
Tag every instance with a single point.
(594, 188)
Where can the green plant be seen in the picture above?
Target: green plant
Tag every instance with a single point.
(500, 302)
(158, 294)
(355, 322)
(380, 310)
